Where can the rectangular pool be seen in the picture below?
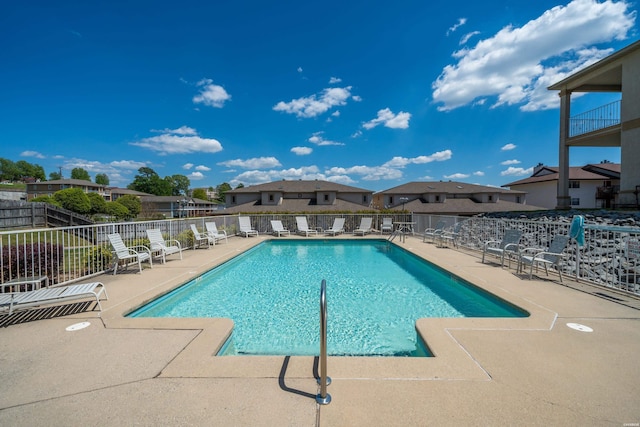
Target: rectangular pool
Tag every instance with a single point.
(375, 293)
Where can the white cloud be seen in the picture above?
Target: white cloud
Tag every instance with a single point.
(319, 140)
(187, 166)
(518, 63)
(178, 142)
(390, 120)
(457, 176)
(478, 173)
(460, 23)
(508, 147)
(315, 105)
(334, 80)
(368, 173)
(336, 113)
(32, 154)
(203, 168)
(302, 151)
(211, 94)
(259, 177)
(400, 162)
(128, 164)
(511, 171)
(253, 163)
(182, 130)
(195, 176)
(299, 69)
(510, 162)
(467, 36)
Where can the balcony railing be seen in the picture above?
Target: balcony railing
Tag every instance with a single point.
(600, 118)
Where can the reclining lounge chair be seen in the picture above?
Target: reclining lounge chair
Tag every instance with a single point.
(19, 300)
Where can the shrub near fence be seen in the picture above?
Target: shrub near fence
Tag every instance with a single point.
(31, 259)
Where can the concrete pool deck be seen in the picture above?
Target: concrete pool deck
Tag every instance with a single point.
(528, 371)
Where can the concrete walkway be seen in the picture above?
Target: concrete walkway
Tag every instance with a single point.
(528, 371)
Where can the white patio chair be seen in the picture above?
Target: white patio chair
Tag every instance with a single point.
(245, 226)
(303, 227)
(123, 253)
(387, 225)
(364, 227)
(200, 238)
(337, 227)
(19, 300)
(165, 247)
(278, 228)
(212, 231)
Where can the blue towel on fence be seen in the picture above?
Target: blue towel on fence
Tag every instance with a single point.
(577, 229)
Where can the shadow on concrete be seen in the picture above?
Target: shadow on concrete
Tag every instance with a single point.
(283, 385)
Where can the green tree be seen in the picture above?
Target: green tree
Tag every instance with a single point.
(73, 199)
(9, 171)
(179, 184)
(98, 204)
(148, 181)
(54, 176)
(132, 203)
(199, 193)
(102, 179)
(79, 173)
(46, 199)
(221, 191)
(117, 210)
(27, 169)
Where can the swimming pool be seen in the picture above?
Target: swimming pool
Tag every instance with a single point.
(375, 293)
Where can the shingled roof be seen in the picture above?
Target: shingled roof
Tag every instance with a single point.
(300, 186)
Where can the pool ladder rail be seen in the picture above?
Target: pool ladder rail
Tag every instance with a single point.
(323, 398)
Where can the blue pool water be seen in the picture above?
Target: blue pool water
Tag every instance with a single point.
(375, 293)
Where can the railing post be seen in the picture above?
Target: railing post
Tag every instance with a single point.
(323, 398)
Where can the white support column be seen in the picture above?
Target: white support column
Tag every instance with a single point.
(564, 201)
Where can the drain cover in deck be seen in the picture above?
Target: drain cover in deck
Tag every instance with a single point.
(579, 327)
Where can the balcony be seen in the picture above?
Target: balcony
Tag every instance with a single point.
(607, 193)
(604, 117)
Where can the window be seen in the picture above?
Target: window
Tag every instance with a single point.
(326, 197)
(575, 201)
(518, 199)
(437, 198)
(391, 200)
(574, 184)
(364, 199)
(490, 198)
(271, 197)
(233, 199)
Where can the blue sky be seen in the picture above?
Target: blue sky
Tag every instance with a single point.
(364, 93)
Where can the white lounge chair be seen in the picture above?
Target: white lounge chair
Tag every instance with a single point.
(508, 246)
(245, 226)
(336, 228)
(212, 231)
(19, 300)
(123, 253)
(387, 225)
(200, 238)
(278, 228)
(364, 227)
(158, 244)
(549, 257)
(435, 232)
(303, 227)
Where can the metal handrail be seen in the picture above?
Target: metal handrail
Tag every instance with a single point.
(323, 398)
